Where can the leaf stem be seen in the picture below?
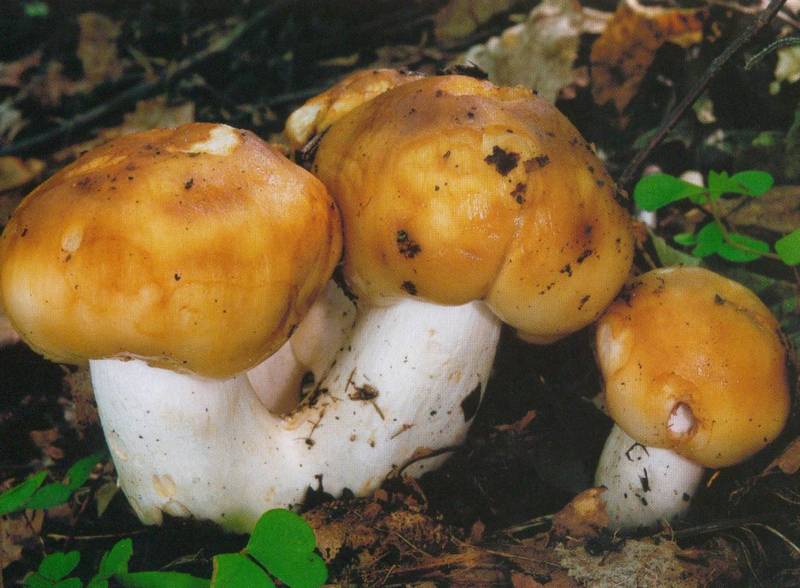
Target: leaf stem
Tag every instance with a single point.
(712, 204)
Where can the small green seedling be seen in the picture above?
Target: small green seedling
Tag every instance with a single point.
(659, 190)
(281, 546)
(31, 493)
(53, 572)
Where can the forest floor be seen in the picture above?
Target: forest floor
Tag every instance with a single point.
(76, 74)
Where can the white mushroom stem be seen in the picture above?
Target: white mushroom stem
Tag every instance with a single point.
(324, 331)
(409, 379)
(646, 485)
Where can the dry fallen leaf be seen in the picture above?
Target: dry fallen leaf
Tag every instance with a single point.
(17, 532)
(460, 18)
(11, 73)
(148, 114)
(519, 580)
(584, 516)
(16, 172)
(788, 461)
(84, 409)
(537, 53)
(787, 67)
(11, 120)
(621, 56)
(97, 48)
(104, 495)
(778, 210)
(44, 440)
(49, 86)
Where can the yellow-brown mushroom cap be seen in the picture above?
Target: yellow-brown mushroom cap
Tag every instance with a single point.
(453, 189)
(321, 111)
(197, 248)
(686, 342)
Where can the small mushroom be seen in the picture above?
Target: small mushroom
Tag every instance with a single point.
(695, 378)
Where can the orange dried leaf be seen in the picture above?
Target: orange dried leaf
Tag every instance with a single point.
(149, 114)
(519, 425)
(11, 72)
(584, 516)
(788, 461)
(460, 18)
(621, 56)
(16, 533)
(16, 172)
(97, 48)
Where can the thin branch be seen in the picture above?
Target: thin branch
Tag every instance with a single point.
(759, 22)
(146, 88)
(722, 525)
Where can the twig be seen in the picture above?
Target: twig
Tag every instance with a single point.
(530, 524)
(61, 537)
(145, 88)
(774, 46)
(758, 23)
(722, 526)
(434, 453)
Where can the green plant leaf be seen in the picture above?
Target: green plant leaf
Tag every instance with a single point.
(751, 248)
(34, 580)
(709, 239)
(284, 543)
(69, 583)
(50, 495)
(788, 248)
(115, 561)
(685, 239)
(235, 570)
(14, 499)
(36, 9)
(98, 582)
(79, 472)
(669, 255)
(750, 183)
(718, 184)
(160, 580)
(58, 565)
(657, 190)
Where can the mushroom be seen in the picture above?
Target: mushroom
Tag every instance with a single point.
(454, 190)
(695, 378)
(174, 261)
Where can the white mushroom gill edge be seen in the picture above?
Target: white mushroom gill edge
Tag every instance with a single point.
(645, 485)
(410, 377)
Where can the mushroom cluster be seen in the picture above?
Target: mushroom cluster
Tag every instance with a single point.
(192, 268)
